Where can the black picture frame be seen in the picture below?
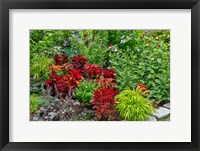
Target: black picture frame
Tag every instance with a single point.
(5, 5)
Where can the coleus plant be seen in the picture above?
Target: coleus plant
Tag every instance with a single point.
(109, 73)
(107, 82)
(60, 59)
(142, 88)
(63, 86)
(78, 62)
(104, 104)
(93, 71)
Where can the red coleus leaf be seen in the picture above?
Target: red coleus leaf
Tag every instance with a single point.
(64, 84)
(76, 74)
(93, 71)
(110, 73)
(103, 101)
(107, 82)
(48, 81)
(60, 59)
(78, 62)
(141, 85)
(143, 88)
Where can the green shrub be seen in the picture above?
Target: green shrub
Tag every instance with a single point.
(132, 106)
(34, 103)
(48, 41)
(39, 66)
(85, 92)
(144, 57)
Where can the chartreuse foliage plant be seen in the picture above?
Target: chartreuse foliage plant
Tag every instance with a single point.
(133, 106)
(39, 66)
(36, 102)
(34, 106)
(85, 92)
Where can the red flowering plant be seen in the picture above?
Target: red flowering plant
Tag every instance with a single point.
(109, 73)
(60, 59)
(93, 71)
(104, 104)
(142, 88)
(78, 62)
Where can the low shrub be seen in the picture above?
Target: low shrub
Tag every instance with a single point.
(133, 106)
(84, 92)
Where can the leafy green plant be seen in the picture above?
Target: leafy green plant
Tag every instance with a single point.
(39, 66)
(144, 57)
(48, 41)
(133, 106)
(34, 103)
(85, 92)
(43, 102)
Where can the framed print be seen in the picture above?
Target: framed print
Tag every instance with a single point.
(101, 75)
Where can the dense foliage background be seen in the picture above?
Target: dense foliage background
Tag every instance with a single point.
(138, 56)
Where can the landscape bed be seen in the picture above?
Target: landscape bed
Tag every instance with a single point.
(100, 75)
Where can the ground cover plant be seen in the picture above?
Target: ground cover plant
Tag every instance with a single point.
(98, 75)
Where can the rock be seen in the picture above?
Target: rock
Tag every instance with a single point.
(167, 105)
(35, 118)
(161, 112)
(151, 118)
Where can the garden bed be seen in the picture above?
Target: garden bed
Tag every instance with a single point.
(99, 75)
